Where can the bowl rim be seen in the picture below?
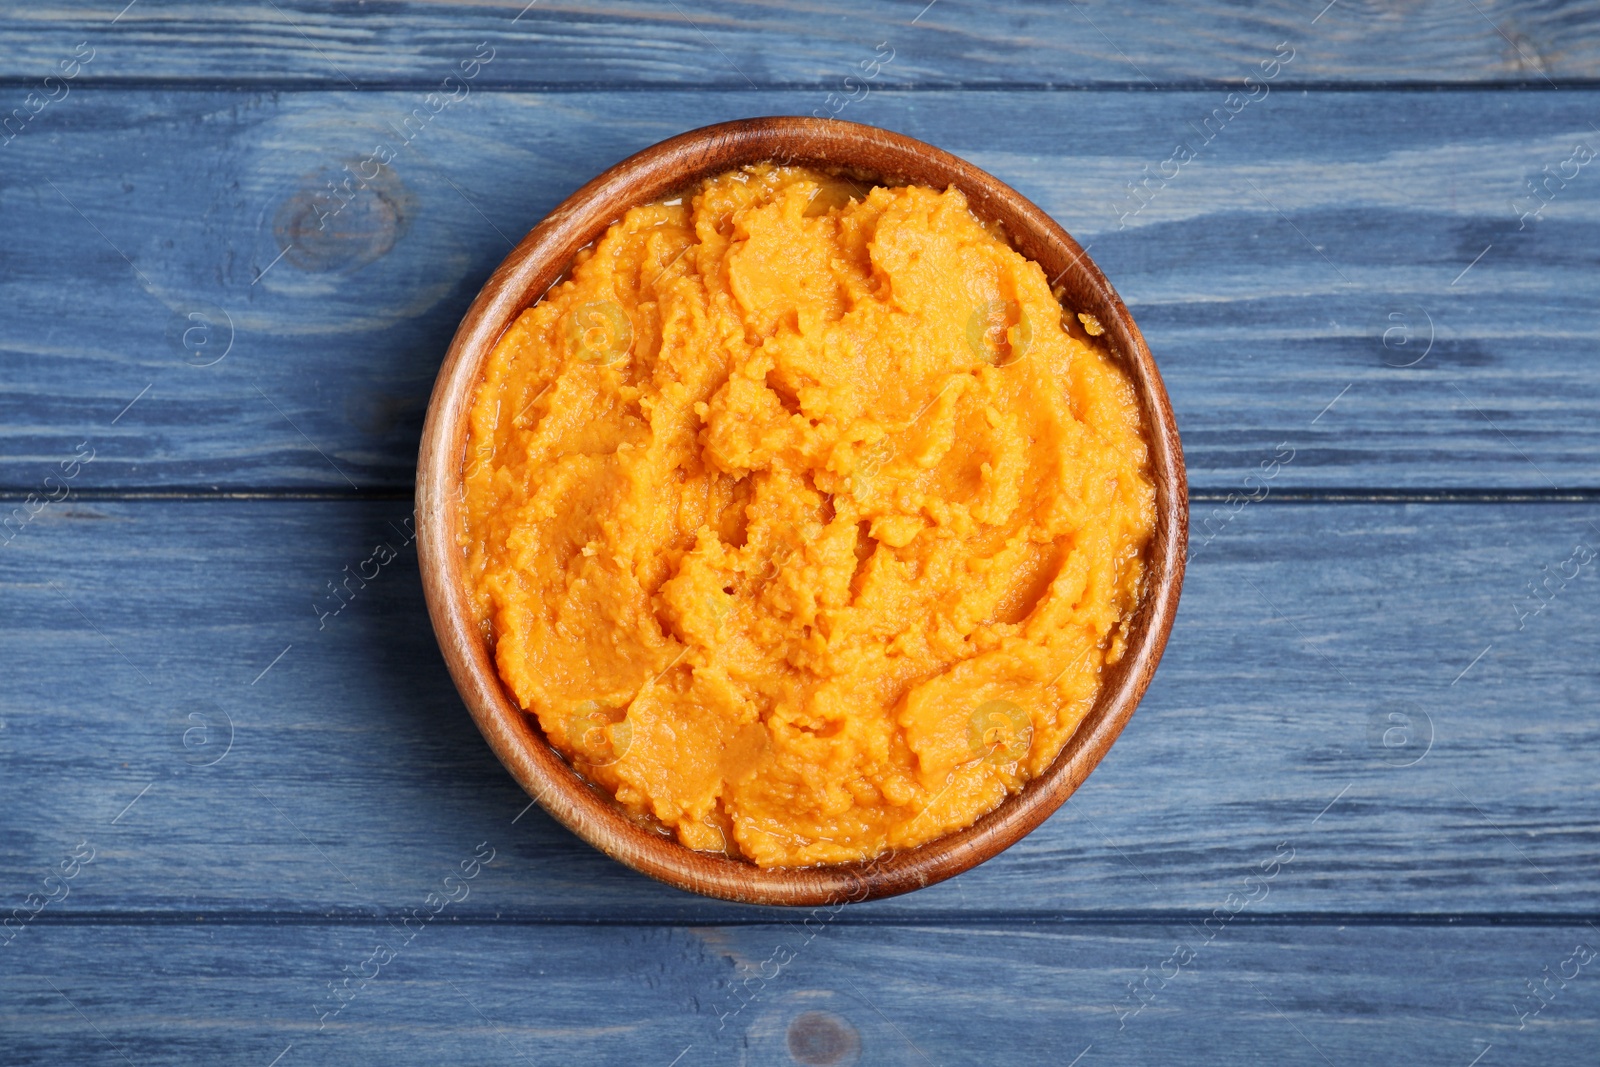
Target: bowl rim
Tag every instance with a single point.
(523, 278)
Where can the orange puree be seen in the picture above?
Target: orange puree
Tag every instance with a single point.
(802, 517)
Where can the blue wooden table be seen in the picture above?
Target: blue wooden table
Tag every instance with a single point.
(1355, 821)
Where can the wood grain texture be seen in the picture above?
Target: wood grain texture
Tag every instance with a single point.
(354, 774)
(1367, 685)
(1266, 276)
(912, 995)
(721, 43)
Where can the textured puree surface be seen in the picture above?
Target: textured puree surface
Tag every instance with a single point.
(1397, 684)
(803, 517)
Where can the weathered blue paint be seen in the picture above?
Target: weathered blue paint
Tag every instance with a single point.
(1355, 820)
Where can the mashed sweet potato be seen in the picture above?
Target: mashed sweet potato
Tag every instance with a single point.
(802, 517)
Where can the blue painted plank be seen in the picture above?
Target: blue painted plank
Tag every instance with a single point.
(740, 43)
(827, 993)
(1346, 272)
(1374, 685)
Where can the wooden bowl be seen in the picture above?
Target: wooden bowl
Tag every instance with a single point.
(524, 277)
